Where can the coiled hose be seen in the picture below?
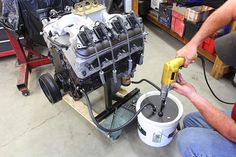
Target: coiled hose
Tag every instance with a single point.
(118, 128)
(204, 73)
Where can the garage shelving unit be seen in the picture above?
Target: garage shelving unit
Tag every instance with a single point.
(218, 69)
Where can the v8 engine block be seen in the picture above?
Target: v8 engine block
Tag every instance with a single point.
(90, 47)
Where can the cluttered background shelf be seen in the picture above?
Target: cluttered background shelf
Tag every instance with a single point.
(180, 26)
(218, 69)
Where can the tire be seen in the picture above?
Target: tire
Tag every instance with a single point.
(50, 88)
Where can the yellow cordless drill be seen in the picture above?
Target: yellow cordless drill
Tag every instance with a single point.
(169, 76)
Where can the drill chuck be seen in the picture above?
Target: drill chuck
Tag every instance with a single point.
(164, 91)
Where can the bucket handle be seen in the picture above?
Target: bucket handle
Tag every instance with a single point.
(172, 134)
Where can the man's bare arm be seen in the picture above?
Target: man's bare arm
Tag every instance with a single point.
(221, 17)
(216, 118)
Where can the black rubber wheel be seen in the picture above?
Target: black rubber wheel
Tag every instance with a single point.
(50, 88)
(178, 127)
(25, 92)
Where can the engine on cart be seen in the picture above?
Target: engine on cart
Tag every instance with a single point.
(90, 47)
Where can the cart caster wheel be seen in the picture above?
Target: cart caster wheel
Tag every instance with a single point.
(116, 138)
(113, 138)
(178, 127)
(114, 135)
(25, 92)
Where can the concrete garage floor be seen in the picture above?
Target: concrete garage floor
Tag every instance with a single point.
(31, 126)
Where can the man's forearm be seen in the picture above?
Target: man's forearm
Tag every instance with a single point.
(221, 17)
(216, 118)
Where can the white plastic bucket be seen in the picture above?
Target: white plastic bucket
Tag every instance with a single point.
(153, 133)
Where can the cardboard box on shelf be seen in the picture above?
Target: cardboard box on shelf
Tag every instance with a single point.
(156, 3)
(198, 13)
(180, 9)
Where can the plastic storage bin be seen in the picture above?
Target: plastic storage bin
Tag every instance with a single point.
(190, 2)
(198, 13)
(156, 3)
(177, 23)
(209, 45)
(165, 14)
(191, 29)
(214, 3)
(180, 9)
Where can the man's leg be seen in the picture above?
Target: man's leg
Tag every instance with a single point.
(202, 142)
(199, 139)
(195, 119)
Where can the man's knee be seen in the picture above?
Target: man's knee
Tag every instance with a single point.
(196, 141)
(186, 141)
(190, 118)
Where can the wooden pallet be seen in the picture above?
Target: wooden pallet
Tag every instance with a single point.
(219, 69)
(82, 109)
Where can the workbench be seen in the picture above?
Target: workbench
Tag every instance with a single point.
(218, 69)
